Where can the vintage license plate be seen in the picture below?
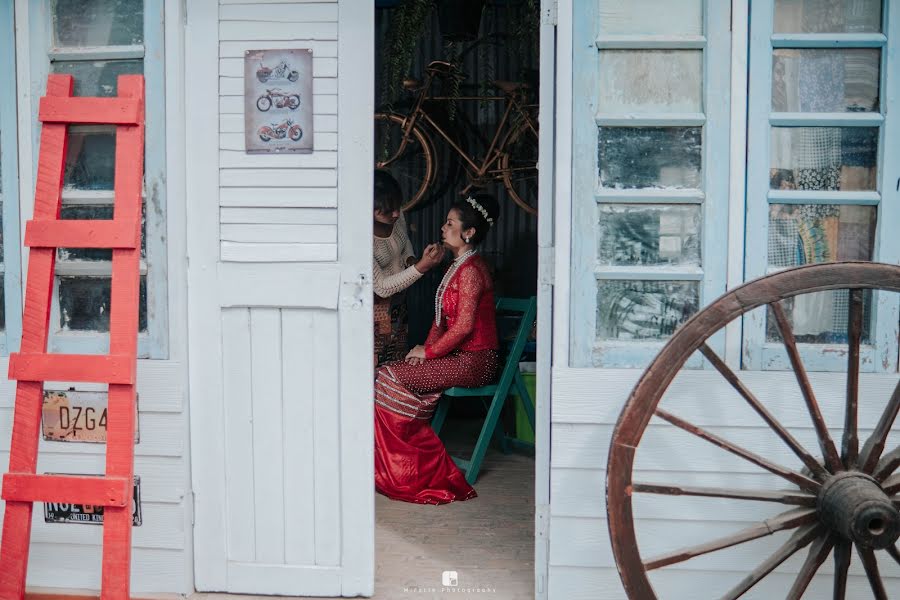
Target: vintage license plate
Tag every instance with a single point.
(60, 512)
(74, 416)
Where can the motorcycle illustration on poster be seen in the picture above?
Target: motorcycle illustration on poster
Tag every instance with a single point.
(278, 107)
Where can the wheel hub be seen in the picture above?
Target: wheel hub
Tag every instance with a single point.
(854, 506)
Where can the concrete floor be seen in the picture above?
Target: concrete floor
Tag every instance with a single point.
(488, 541)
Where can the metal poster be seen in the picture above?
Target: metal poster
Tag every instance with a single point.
(62, 512)
(73, 416)
(278, 108)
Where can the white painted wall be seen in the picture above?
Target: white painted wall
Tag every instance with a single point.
(68, 555)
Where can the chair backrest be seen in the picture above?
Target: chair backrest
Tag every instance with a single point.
(527, 308)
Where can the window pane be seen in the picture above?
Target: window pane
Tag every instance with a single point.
(677, 17)
(2, 305)
(635, 234)
(644, 310)
(820, 318)
(98, 22)
(801, 234)
(95, 212)
(824, 158)
(650, 157)
(827, 16)
(84, 304)
(90, 158)
(651, 81)
(825, 80)
(97, 78)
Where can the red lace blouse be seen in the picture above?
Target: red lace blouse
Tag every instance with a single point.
(468, 320)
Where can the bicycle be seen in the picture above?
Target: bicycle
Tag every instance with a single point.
(404, 142)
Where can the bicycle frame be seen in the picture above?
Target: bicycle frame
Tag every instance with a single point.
(493, 154)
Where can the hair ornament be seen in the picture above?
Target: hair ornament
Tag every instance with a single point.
(484, 213)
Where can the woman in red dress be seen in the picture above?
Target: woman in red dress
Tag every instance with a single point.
(411, 463)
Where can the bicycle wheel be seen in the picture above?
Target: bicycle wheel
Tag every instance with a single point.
(518, 165)
(409, 158)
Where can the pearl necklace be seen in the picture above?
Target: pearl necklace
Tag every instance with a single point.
(439, 297)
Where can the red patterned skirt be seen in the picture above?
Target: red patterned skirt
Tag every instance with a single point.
(411, 463)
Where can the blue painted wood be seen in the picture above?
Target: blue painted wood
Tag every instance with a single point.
(757, 353)
(758, 108)
(644, 42)
(9, 181)
(862, 119)
(154, 343)
(887, 241)
(585, 100)
(828, 40)
(497, 394)
(823, 197)
(713, 198)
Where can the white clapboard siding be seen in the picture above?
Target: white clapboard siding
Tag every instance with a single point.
(587, 403)
(248, 13)
(276, 32)
(231, 159)
(286, 216)
(278, 233)
(282, 460)
(583, 583)
(278, 178)
(278, 197)
(78, 567)
(239, 252)
(232, 49)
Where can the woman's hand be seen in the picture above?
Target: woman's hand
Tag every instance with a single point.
(431, 257)
(416, 356)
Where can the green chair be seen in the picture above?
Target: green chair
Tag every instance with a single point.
(509, 376)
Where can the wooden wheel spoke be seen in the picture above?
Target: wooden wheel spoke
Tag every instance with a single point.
(818, 552)
(788, 520)
(850, 443)
(871, 452)
(808, 459)
(781, 496)
(888, 464)
(842, 558)
(894, 551)
(870, 563)
(801, 480)
(892, 485)
(801, 538)
(829, 451)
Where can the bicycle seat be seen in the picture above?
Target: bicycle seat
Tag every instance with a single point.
(412, 84)
(508, 87)
(439, 67)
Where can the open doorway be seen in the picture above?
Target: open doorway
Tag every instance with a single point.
(467, 74)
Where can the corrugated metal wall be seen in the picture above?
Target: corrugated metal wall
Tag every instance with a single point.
(512, 247)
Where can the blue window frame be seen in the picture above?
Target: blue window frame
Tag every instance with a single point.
(11, 290)
(650, 189)
(822, 170)
(95, 42)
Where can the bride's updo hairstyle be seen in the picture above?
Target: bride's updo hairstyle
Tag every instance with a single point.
(479, 211)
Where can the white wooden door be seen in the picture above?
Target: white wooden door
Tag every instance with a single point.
(280, 334)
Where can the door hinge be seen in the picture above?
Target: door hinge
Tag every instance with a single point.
(546, 265)
(550, 13)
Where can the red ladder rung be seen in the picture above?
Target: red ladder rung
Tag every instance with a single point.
(72, 489)
(97, 111)
(118, 233)
(100, 368)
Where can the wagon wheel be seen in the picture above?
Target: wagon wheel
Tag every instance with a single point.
(844, 497)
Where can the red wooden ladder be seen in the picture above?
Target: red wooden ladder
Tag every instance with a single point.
(34, 365)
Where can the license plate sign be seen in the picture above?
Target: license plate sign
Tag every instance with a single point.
(61, 512)
(76, 416)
